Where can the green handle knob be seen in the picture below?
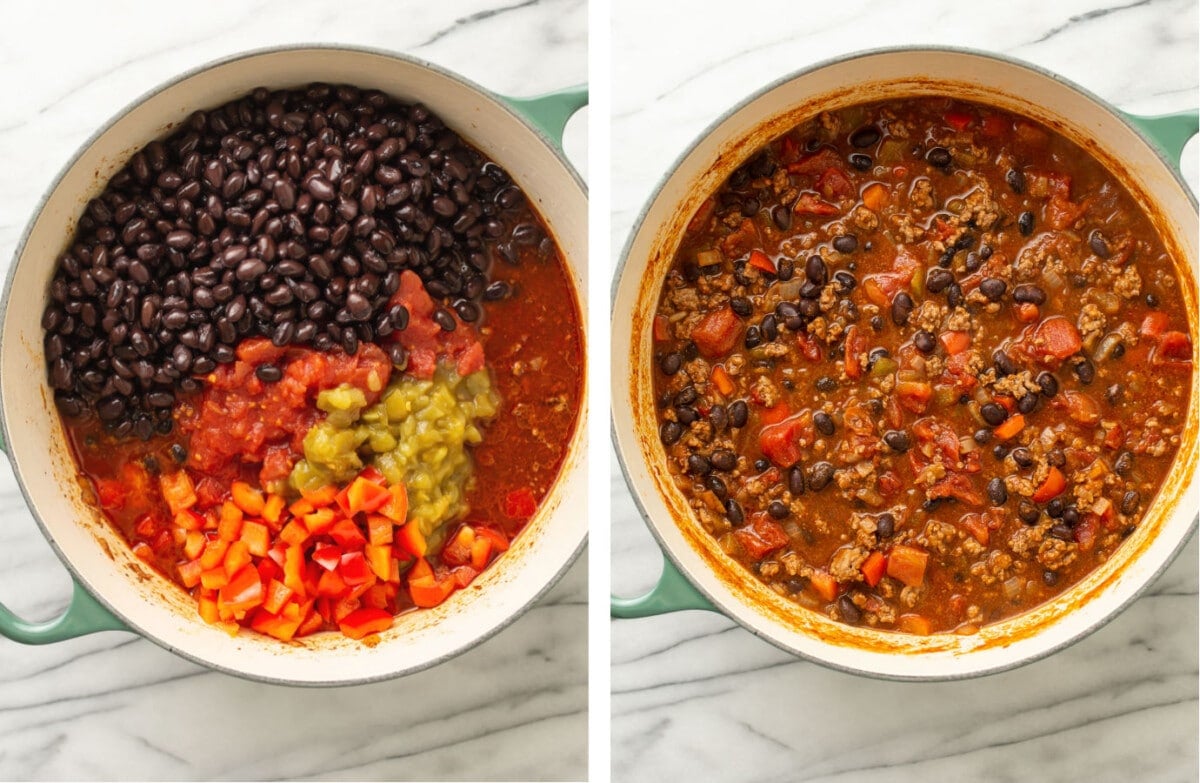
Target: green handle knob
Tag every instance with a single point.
(1169, 132)
(84, 615)
(673, 593)
(549, 113)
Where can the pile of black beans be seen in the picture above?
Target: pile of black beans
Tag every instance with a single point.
(284, 214)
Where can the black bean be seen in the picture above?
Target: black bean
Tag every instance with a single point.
(778, 509)
(686, 414)
(769, 327)
(717, 486)
(670, 363)
(846, 243)
(1098, 244)
(268, 373)
(723, 459)
(902, 307)
(782, 217)
(1084, 369)
(982, 436)
(670, 432)
(1070, 515)
(993, 288)
(1016, 180)
(739, 413)
(1022, 456)
(733, 512)
(924, 341)
(1027, 403)
(753, 337)
(897, 440)
(1028, 513)
(997, 491)
(795, 480)
(847, 610)
(1029, 293)
(785, 270)
(1025, 223)
(1048, 383)
(826, 384)
(938, 280)
(1130, 502)
(885, 525)
(1123, 463)
(846, 281)
(816, 271)
(860, 161)
(865, 136)
(993, 414)
(939, 156)
(1003, 363)
(819, 476)
(823, 422)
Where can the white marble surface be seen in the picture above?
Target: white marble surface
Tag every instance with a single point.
(697, 697)
(113, 706)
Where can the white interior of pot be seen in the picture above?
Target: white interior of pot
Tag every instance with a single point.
(101, 558)
(731, 142)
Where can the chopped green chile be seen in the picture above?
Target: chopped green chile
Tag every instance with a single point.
(916, 451)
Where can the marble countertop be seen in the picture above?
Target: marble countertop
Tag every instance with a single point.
(697, 697)
(113, 706)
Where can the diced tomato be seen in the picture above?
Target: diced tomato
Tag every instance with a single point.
(1115, 437)
(810, 349)
(914, 396)
(976, 526)
(782, 442)
(833, 183)
(814, 164)
(520, 503)
(907, 564)
(957, 486)
(1051, 487)
(889, 484)
(1027, 312)
(1081, 407)
(959, 120)
(662, 329)
(955, 342)
(873, 568)
(1173, 349)
(1154, 324)
(1053, 340)
(810, 203)
(761, 535)
(1085, 532)
(717, 333)
(855, 349)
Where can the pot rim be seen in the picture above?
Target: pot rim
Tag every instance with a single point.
(672, 560)
(19, 250)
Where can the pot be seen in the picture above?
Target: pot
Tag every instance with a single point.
(697, 575)
(113, 589)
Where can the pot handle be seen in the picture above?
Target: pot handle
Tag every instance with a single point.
(1169, 132)
(549, 113)
(673, 593)
(84, 615)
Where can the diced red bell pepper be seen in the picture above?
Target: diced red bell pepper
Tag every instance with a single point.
(243, 592)
(1173, 349)
(833, 183)
(362, 495)
(411, 540)
(326, 556)
(397, 508)
(824, 585)
(1154, 324)
(873, 568)
(717, 333)
(353, 568)
(662, 331)
(759, 260)
(914, 624)
(1051, 487)
(331, 585)
(955, 342)
(111, 494)
(959, 120)
(907, 564)
(429, 591)
(347, 535)
(177, 490)
(810, 349)
(457, 550)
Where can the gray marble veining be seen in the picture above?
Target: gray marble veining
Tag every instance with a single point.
(697, 697)
(113, 706)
